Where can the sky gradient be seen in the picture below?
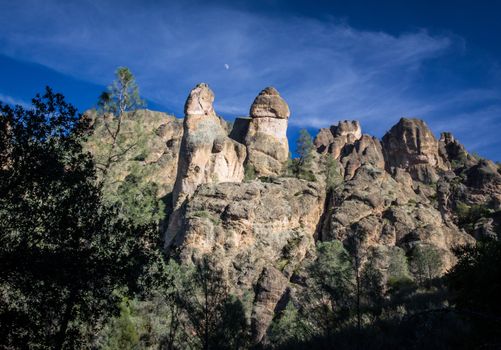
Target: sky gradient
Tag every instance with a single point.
(440, 62)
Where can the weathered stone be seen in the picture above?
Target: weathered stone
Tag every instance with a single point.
(270, 288)
(269, 104)
(250, 227)
(323, 140)
(207, 154)
(411, 145)
(347, 128)
(266, 139)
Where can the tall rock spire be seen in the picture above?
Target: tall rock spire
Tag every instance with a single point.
(266, 139)
(207, 154)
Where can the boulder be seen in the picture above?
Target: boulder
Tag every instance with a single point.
(269, 104)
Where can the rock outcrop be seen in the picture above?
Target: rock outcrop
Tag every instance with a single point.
(411, 145)
(346, 143)
(387, 211)
(207, 153)
(254, 230)
(153, 141)
(405, 191)
(266, 138)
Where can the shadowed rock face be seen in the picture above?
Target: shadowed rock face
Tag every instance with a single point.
(266, 139)
(410, 145)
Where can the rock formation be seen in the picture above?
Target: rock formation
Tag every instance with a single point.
(153, 143)
(405, 191)
(410, 145)
(346, 143)
(266, 138)
(207, 153)
(254, 230)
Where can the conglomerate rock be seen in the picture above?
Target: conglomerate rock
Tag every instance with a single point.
(253, 229)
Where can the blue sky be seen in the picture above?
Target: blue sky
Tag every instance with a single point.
(374, 61)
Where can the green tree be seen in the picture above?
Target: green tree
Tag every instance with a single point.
(305, 149)
(123, 334)
(120, 145)
(371, 288)
(398, 269)
(475, 283)
(333, 178)
(290, 327)
(426, 264)
(138, 200)
(215, 317)
(333, 276)
(121, 97)
(63, 252)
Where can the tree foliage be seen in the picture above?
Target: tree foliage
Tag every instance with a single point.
(63, 252)
(121, 97)
(302, 166)
(426, 264)
(475, 282)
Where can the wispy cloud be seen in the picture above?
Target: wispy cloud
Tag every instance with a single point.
(13, 101)
(326, 70)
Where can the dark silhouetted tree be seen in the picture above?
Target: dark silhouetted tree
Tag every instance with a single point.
(63, 253)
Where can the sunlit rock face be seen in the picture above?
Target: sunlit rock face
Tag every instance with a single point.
(259, 233)
(266, 139)
(394, 194)
(411, 145)
(207, 154)
(346, 143)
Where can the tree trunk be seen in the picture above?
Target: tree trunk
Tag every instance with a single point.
(60, 337)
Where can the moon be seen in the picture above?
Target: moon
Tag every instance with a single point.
(227, 66)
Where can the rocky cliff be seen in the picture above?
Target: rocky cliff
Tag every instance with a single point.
(407, 190)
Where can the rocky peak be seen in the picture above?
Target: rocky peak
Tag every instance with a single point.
(454, 152)
(266, 138)
(411, 145)
(269, 104)
(346, 128)
(207, 154)
(200, 101)
(346, 143)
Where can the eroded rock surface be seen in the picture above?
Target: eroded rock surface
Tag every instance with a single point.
(253, 229)
(411, 145)
(407, 190)
(207, 153)
(266, 138)
(153, 141)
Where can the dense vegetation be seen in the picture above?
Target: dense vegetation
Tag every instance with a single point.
(82, 269)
